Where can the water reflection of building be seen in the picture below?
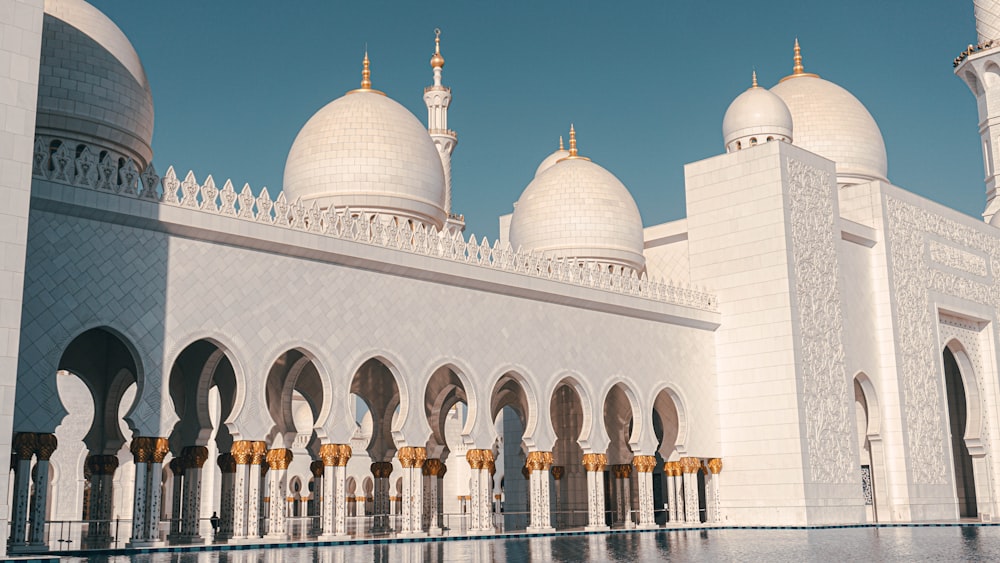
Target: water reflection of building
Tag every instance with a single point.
(411, 380)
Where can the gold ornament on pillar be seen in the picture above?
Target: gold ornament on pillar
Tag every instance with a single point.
(431, 467)
(690, 464)
(412, 457)
(381, 469)
(279, 459)
(328, 454)
(672, 468)
(242, 452)
(45, 446)
(474, 459)
(258, 453)
(343, 454)
(557, 472)
(161, 447)
(226, 463)
(538, 461)
(644, 463)
(715, 465)
(595, 462)
(24, 445)
(142, 449)
(195, 456)
(102, 464)
(316, 467)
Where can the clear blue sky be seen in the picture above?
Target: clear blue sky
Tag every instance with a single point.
(646, 83)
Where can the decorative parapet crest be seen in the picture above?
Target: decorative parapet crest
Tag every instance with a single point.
(58, 161)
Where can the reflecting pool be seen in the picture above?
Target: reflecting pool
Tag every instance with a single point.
(954, 543)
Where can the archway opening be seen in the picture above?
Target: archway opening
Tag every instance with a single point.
(569, 477)
(446, 408)
(374, 384)
(620, 483)
(509, 411)
(667, 496)
(965, 482)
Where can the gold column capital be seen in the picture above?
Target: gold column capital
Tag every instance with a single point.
(715, 465)
(690, 464)
(258, 453)
(539, 461)
(412, 457)
(316, 467)
(161, 447)
(177, 466)
(45, 446)
(279, 459)
(102, 464)
(242, 452)
(644, 463)
(557, 472)
(226, 463)
(142, 449)
(195, 456)
(595, 462)
(24, 445)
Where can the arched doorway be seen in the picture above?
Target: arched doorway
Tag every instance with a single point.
(958, 422)
(668, 494)
(569, 476)
(621, 491)
(446, 406)
(509, 410)
(375, 385)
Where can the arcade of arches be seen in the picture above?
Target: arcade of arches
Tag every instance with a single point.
(291, 482)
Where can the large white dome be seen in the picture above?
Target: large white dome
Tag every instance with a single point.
(91, 85)
(577, 209)
(367, 152)
(832, 123)
(756, 115)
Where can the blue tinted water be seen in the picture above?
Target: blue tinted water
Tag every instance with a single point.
(852, 544)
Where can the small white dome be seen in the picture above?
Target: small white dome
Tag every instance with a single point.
(757, 114)
(367, 152)
(550, 160)
(829, 121)
(91, 85)
(577, 209)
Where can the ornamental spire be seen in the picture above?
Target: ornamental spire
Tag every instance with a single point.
(797, 69)
(366, 73)
(754, 84)
(560, 143)
(573, 153)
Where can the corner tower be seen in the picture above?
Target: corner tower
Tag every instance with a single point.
(979, 67)
(438, 98)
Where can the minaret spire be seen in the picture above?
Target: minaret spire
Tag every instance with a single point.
(573, 153)
(366, 77)
(754, 83)
(437, 97)
(974, 66)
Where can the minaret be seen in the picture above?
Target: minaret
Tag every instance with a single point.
(978, 67)
(438, 98)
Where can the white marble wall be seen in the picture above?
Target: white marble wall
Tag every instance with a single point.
(20, 28)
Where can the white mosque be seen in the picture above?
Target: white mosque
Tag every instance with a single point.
(810, 345)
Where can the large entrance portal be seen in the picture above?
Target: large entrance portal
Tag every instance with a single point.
(965, 481)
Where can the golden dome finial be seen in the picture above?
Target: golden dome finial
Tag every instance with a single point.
(797, 69)
(573, 154)
(366, 73)
(560, 143)
(437, 61)
(754, 84)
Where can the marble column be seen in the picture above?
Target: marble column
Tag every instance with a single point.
(690, 467)
(277, 463)
(486, 483)
(669, 486)
(194, 460)
(481, 520)
(381, 470)
(715, 502)
(24, 450)
(313, 507)
(102, 474)
(340, 490)
(411, 516)
(227, 496)
(623, 486)
(242, 453)
(595, 465)
(257, 467)
(177, 466)
(45, 446)
(433, 471)
(644, 465)
(142, 453)
(557, 475)
(154, 491)
(329, 457)
(538, 464)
